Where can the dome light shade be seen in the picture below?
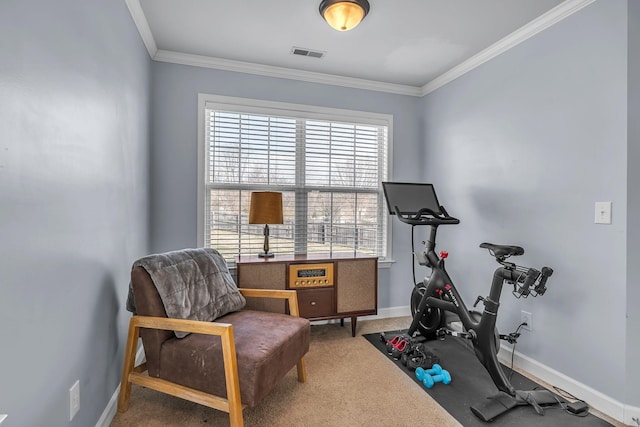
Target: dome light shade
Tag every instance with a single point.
(344, 15)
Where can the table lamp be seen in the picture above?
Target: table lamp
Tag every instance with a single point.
(265, 208)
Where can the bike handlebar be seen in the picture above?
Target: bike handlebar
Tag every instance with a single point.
(426, 216)
(532, 276)
(541, 286)
(533, 281)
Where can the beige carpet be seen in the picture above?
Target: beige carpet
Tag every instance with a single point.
(349, 383)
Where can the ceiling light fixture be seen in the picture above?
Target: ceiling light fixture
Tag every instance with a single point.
(344, 15)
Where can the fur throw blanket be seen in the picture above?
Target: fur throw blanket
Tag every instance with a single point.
(193, 284)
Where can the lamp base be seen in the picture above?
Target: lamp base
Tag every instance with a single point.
(266, 254)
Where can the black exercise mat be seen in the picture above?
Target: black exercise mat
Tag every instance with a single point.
(471, 385)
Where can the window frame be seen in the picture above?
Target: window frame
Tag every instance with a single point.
(292, 110)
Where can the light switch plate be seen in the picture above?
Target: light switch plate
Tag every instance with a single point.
(603, 213)
(2, 417)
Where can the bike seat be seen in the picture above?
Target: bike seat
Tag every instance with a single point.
(502, 251)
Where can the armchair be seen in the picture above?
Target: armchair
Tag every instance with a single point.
(226, 364)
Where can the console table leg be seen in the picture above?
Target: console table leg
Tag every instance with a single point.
(342, 322)
(353, 326)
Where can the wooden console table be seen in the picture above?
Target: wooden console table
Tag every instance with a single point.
(329, 287)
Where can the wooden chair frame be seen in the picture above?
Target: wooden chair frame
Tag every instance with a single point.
(232, 405)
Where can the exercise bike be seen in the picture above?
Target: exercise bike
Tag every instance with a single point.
(431, 299)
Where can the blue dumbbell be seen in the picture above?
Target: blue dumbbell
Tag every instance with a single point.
(428, 381)
(436, 374)
(422, 373)
(443, 377)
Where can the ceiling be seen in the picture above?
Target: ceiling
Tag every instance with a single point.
(403, 46)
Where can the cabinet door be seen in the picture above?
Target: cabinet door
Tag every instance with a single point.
(263, 276)
(357, 286)
(315, 302)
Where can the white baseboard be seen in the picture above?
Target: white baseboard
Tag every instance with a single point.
(383, 313)
(389, 312)
(109, 412)
(597, 400)
(632, 415)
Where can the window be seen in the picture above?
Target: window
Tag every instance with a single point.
(328, 164)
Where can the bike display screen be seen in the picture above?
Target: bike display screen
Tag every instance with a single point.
(410, 197)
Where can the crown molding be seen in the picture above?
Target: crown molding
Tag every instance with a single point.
(143, 26)
(539, 24)
(281, 72)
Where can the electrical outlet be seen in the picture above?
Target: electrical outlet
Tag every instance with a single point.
(526, 318)
(74, 399)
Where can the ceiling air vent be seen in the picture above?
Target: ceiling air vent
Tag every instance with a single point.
(307, 52)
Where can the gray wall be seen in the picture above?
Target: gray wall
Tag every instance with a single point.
(74, 136)
(633, 211)
(174, 151)
(520, 149)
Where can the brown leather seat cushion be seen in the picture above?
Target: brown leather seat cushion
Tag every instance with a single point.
(267, 346)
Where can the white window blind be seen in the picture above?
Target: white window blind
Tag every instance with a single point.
(328, 164)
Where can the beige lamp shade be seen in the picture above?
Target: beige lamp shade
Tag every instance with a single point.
(265, 208)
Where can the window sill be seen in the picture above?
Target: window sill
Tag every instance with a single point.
(385, 263)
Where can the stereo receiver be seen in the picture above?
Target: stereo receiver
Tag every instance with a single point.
(310, 275)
